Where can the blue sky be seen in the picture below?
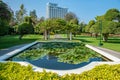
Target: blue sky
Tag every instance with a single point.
(85, 10)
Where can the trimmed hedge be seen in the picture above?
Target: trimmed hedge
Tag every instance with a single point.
(14, 71)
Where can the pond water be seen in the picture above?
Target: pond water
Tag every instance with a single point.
(41, 55)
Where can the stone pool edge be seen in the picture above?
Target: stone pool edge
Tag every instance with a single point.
(106, 54)
(10, 54)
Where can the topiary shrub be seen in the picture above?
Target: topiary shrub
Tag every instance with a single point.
(25, 28)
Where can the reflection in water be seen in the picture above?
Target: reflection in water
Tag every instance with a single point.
(50, 62)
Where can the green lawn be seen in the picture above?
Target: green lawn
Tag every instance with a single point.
(113, 42)
(12, 40)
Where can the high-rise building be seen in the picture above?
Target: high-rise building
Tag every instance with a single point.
(53, 11)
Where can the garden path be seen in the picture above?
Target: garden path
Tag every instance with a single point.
(7, 50)
(111, 52)
(57, 36)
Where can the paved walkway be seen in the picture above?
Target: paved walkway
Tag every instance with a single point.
(111, 52)
(57, 36)
(7, 50)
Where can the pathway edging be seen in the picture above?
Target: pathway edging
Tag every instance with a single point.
(106, 54)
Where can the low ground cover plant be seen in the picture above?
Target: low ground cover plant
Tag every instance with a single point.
(15, 71)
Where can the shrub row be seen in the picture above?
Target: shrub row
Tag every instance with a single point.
(14, 71)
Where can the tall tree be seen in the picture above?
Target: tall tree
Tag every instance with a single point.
(33, 16)
(38, 27)
(46, 26)
(41, 19)
(110, 23)
(71, 27)
(95, 29)
(50, 25)
(20, 14)
(112, 14)
(81, 27)
(75, 25)
(5, 17)
(59, 25)
(90, 24)
(69, 16)
(108, 27)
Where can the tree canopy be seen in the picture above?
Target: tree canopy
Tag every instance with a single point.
(20, 14)
(110, 24)
(69, 16)
(5, 17)
(26, 27)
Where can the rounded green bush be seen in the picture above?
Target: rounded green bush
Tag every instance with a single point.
(25, 28)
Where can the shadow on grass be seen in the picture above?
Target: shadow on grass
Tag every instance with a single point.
(113, 40)
(83, 37)
(116, 42)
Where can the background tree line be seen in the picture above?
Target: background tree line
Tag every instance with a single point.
(110, 24)
(22, 23)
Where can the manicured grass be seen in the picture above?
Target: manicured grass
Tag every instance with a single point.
(12, 40)
(113, 42)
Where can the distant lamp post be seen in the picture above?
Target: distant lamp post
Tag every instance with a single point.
(100, 26)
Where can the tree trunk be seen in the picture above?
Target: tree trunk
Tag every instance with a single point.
(45, 35)
(70, 35)
(91, 34)
(105, 37)
(20, 37)
(96, 35)
(48, 34)
(74, 34)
